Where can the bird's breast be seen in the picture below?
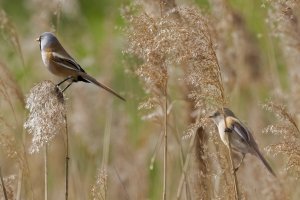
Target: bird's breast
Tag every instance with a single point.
(46, 58)
(221, 129)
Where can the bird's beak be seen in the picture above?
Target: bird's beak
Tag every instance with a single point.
(38, 39)
(210, 116)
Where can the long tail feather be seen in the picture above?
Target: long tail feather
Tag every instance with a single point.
(261, 157)
(94, 81)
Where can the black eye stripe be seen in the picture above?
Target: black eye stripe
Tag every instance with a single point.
(40, 42)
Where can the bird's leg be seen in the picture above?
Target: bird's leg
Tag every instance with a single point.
(67, 87)
(68, 78)
(235, 169)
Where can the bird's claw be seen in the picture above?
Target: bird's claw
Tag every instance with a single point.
(235, 169)
(57, 88)
(228, 130)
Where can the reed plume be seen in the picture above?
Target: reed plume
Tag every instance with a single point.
(167, 45)
(99, 189)
(46, 118)
(287, 130)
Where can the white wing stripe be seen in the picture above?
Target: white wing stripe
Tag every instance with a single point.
(73, 65)
(243, 133)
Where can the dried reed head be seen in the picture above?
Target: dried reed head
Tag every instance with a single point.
(98, 190)
(163, 43)
(166, 45)
(288, 131)
(197, 55)
(284, 19)
(46, 106)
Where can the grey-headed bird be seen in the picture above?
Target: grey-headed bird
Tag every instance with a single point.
(60, 63)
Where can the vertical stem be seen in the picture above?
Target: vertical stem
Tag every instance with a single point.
(165, 144)
(3, 186)
(24, 170)
(58, 14)
(185, 167)
(19, 187)
(46, 171)
(235, 181)
(106, 145)
(28, 171)
(67, 159)
(161, 6)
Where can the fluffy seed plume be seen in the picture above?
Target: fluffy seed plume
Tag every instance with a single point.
(163, 43)
(286, 128)
(46, 114)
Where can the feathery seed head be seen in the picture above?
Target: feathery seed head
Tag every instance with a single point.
(46, 106)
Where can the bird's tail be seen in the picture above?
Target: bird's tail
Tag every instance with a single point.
(261, 157)
(90, 79)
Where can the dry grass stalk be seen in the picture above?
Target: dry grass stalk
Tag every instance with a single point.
(128, 162)
(46, 172)
(47, 14)
(9, 146)
(165, 145)
(12, 102)
(10, 90)
(235, 180)
(164, 42)
(67, 158)
(196, 174)
(99, 189)
(154, 73)
(3, 186)
(10, 33)
(8, 193)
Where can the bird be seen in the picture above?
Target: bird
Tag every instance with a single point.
(60, 63)
(241, 139)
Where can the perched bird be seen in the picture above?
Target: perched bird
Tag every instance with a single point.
(241, 139)
(60, 63)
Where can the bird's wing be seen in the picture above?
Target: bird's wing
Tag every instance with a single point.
(239, 128)
(69, 63)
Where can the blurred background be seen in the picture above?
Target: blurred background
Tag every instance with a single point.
(115, 152)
